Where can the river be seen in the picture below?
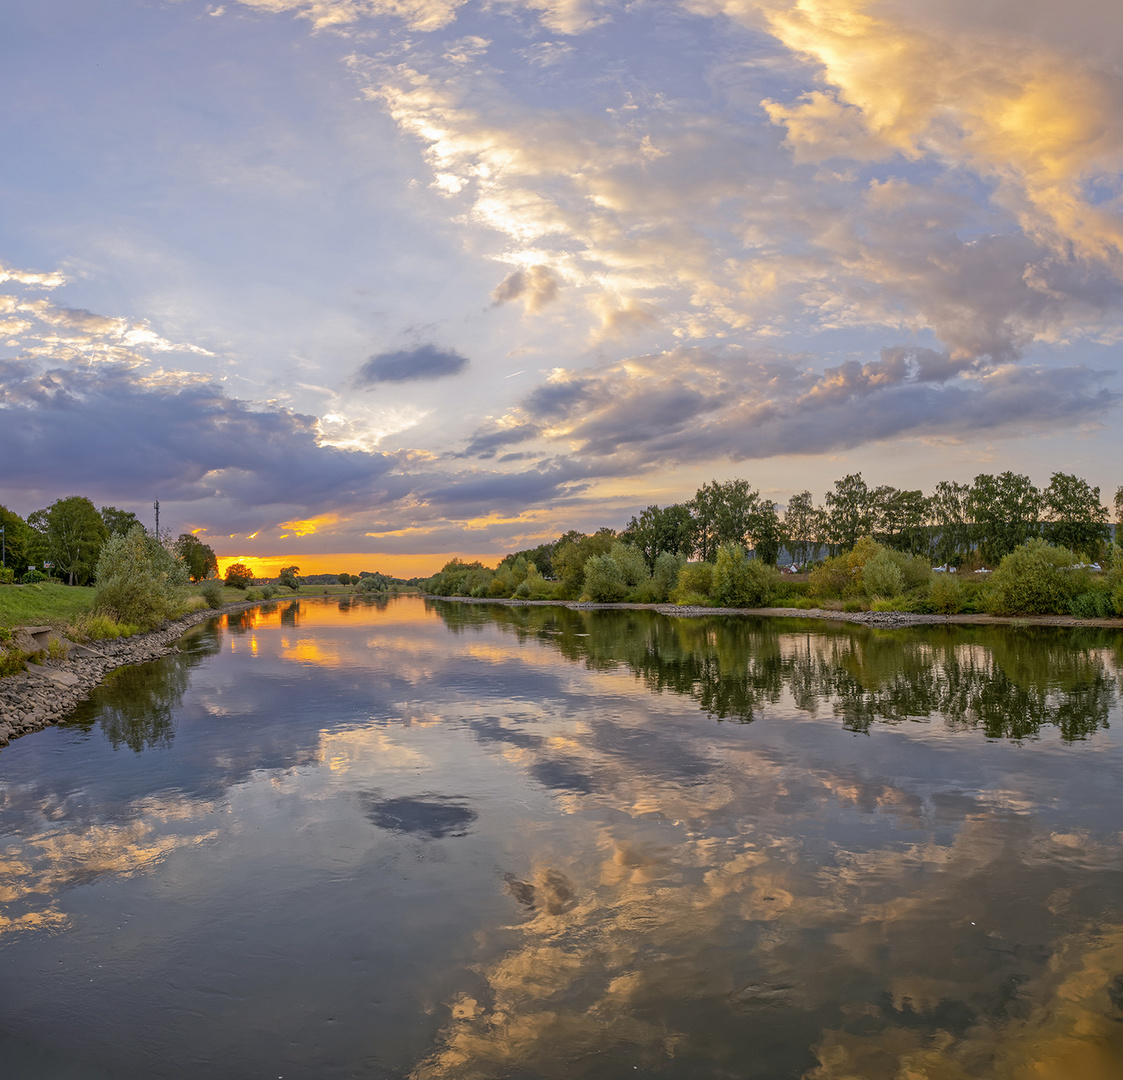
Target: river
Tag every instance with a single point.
(444, 841)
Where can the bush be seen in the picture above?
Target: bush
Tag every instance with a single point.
(882, 576)
(33, 577)
(835, 577)
(268, 592)
(742, 582)
(7, 575)
(604, 580)
(211, 592)
(1093, 604)
(99, 627)
(946, 595)
(138, 579)
(665, 576)
(1034, 579)
(253, 594)
(695, 581)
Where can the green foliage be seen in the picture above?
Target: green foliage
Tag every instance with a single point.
(211, 592)
(17, 540)
(803, 526)
(70, 534)
(850, 512)
(668, 529)
(33, 577)
(268, 592)
(881, 576)
(1034, 579)
(458, 578)
(199, 558)
(1074, 516)
(253, 594)
(238, 576)
(604, 580)
(138, 579)
(118, 522)
(1092, 604)
(287, 577)
(664, 577)
(7, 575)
(694, 585)
(344, 579)
(1005, 510)
(570, 558)
(12, 662)
(741, 582)
(946, 594)
(834, 578)
(99, 627)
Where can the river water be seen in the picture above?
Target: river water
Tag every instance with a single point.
(439, 841)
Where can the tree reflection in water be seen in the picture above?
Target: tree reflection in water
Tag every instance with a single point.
(135, 705)
(1007, 682)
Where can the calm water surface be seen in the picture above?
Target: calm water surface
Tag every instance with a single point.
(456, 842)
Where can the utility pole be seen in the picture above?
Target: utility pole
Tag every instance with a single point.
(156, 506)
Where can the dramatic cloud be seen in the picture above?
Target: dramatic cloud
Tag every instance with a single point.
(410, 365)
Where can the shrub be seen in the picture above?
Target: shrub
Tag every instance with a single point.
(742, 582)
(33, 577)
(1034, 579)
(99, 627)
(138, 579)
(11, 662)
(604, 580)
(633, 566)
(268, 592)
(211, 592)
(7, 575)
(238, 576)
(881, 575)
(1093, 604)
(695, 580)
(665, 576)
(57, 649)
(835, 577)
(253, 594)
(946, 594)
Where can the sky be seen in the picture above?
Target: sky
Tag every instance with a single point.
(363, 284)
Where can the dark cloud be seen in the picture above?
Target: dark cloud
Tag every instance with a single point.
(484, 444)
(410, 365)
(112, 431)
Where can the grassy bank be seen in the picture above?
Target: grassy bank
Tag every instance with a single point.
(45, 604)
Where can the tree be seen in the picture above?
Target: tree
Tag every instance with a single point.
(16, 541)
(659, 529)
(741, 582)
(70, 534)
(723, 513)
(238, 575)
(850, 512)
(288, 577)
(765, 532)
(803, 524)
(1074, 516)
(199, 558)
(1005, 511)
(138, 579)
(118, 522)
(1119, 505)
(951, 518)
(571, 555)
(902, 519)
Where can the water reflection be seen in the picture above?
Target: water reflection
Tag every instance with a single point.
(1007, 683)
(459, 842)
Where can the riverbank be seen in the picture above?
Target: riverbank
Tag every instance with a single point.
(865, 618)
(45, 693)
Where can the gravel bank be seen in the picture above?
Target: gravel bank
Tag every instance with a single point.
(46, 693)
(865, 618)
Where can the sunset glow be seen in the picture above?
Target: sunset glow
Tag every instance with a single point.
(439, 276)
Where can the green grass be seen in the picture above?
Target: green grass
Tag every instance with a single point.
(45, 604)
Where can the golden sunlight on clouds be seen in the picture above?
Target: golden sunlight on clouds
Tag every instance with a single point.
(311, 525)
(1030, 119)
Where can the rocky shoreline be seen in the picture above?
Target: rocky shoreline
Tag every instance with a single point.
(46, 693)
(865, 618)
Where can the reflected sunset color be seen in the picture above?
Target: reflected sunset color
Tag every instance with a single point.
(445, 841)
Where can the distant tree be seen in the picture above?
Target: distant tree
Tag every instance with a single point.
(659, 529)
(288, 578)
(344, 579)
(17, 540)
(1074, 516)
(1005, 511)
(803, 524)
(850, 512)
(238, 575)
(951, 519)
(199, 558)
(765, 532)
(70, 534)
(902, 519)
(1119, 505)
(571, 555)
(723, 513)
(118, 522)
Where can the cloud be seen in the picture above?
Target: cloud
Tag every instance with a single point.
(536, 286)
(694, 405)
(340, 15)
(424, 362)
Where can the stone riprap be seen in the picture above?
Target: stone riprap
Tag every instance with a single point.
(46, 693)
